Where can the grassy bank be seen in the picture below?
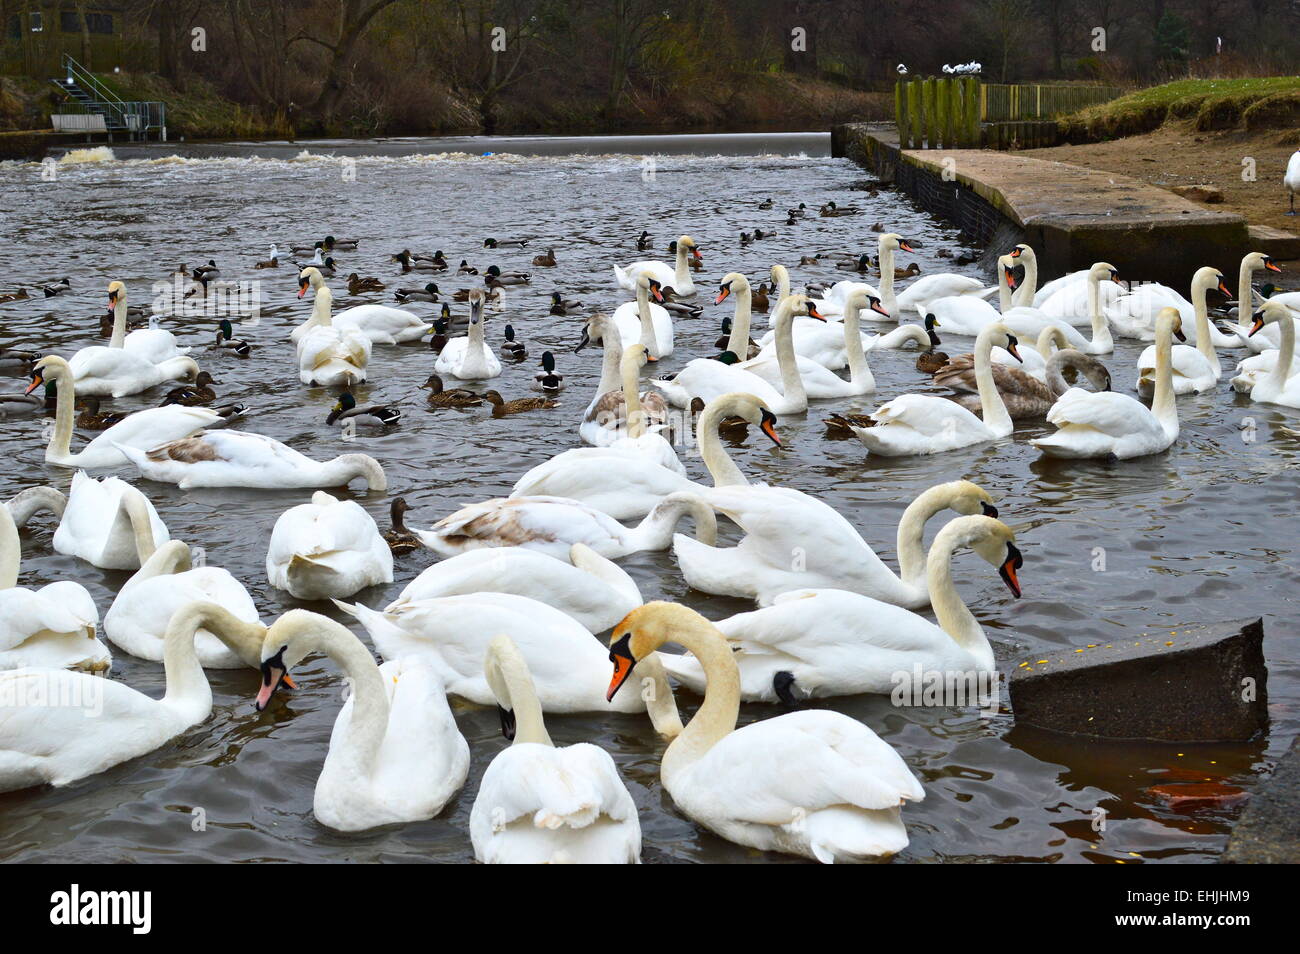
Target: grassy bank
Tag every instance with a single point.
(200, 111)
(1254, 105)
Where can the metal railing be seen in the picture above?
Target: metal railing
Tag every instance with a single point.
(92, 96)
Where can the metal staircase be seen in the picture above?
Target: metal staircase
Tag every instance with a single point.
(88, 96)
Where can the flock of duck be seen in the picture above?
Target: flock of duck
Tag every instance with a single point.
(506, 616)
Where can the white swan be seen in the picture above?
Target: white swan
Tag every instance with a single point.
(1106, 423)
(707, 379)
(395, 754)
(47, 735)
(1080, 301)
(1134, 316)
(152, 344)
(814, 783)
(626, 485)
(567, 664)
(469, 358)
(142, 430)
(109, 524)
(244, 459)
(23, 505)
(606, 420)
(817, 643)
(640, 321)
(926, 290)
(330, 356)
(926, 424)
(677, 278)
(327, 548)
(818, 382)
(1277, 387)
(553, 524)
(795, 541)
(538, 804)
(50, 628)
(119, 370)
(1195, 369)
(1252, 262)
(593, 590)
(824, 342)
(166, 583)
(738, 342)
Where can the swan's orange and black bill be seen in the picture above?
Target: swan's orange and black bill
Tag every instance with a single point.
(767, 424)
(1178, 333)
(654, 290)
(37, 380)
(814, 313)
(273, 673)
(1258, 324)
(1271, 265)
(696, 252)
(902, 243)
(620, 654)
(302, 286)
(723, 292)
(1008, 569)
(1015, 252)
(988, 509)
(876, 306)
(1224, 288)
(1012, 341)
(1011, 277)
(507, 723)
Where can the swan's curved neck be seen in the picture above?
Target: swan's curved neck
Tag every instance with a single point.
(911, 532)
(859, 371)
(657, 692)
(119, 323)
(610, 369)
(636, 418)
(26, 503)
(994, 412)
(187, 686)
(950, 611)
(1202, 310)
(1004, 291)
(738, 343)
(682, 270)
(1024, 295)
(885, 256)
(1102, 342)
(1278, 376)
(11, 552)
(1164, 406)
(170, 558)
(344, 468)
(716, 716)
(787, 360)
(1244, 308)
(648, 336)
(60, 446)
(369, 722)
(721, 467)
(521, 699)
(656, 530)
(322, 305)
(137, 511)
(1055, 380)
(782, 276)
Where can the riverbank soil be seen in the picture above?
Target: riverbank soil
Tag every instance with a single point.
(1176, 154)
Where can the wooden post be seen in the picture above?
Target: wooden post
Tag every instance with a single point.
(942, 117)
(953, 135)
(900, 113)
(973, 113)
(913, 112)
(931, 133)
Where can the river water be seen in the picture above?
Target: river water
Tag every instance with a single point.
(1202, 533)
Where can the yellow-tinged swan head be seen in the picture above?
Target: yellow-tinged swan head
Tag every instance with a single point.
(644, 630)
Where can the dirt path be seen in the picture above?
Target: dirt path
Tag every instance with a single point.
(1176, 155)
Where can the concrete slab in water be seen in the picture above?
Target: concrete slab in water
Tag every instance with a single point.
(1183, 685)
(1268, 831)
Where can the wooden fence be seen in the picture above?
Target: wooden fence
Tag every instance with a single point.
(938, 112)
(946, 112)
(1000, 102)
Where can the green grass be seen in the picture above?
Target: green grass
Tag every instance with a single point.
(1260, 103)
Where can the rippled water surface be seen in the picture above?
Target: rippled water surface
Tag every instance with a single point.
(1202, 533)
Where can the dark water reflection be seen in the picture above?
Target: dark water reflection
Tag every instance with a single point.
(1204, 532)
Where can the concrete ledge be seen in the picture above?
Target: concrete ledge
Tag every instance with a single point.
(1185, 685)
(1283, 246)
(1268, 831)
(1071, 215)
